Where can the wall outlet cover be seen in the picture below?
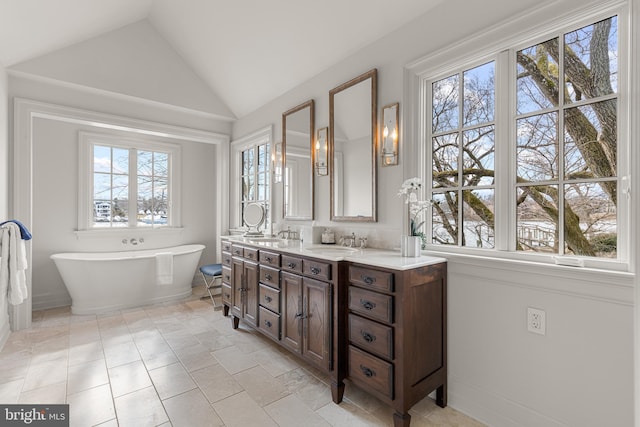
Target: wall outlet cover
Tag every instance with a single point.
(536, 321)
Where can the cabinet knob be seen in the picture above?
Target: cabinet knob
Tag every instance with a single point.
(267, 298)
(367, 336)
(267, 323)
(268, 277)
(367, 371)
(315, 270)
(368, 305)
(291, 265)
(368, 279)
(269, 259)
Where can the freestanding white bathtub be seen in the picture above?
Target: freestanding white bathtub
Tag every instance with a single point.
(99, 282)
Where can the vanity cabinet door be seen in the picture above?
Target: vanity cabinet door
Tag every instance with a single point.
(292, 310)
(250, 309)
(316, 322)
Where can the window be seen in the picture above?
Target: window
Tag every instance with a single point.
(129, 182)
(527, 161)
(255, 177)
(251, 167)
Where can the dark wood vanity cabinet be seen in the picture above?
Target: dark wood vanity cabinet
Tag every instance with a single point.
(384, 330)
(397, 334)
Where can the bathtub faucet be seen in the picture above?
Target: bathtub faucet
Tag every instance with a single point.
(135, 241)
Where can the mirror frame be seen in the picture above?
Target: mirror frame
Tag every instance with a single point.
(311, 105)
(373, 76)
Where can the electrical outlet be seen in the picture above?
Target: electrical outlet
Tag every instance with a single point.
(536, 321)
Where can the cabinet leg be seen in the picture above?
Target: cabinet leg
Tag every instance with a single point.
(441, 396)
(235, 321)
(337, 391)
(225, 310)
(401, 419)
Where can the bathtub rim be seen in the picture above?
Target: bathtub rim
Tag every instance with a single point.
(128, 254)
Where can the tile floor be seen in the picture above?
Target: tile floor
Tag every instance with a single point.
(180, 364)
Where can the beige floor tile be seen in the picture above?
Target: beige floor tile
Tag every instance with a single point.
(91, 407)
(234, 360)
(180, 339)
(140, 409)
(171, 380)
(240, 410)
(128, 378)
(261, 386)
(15, 367)
(448, 417)
(289, 411)
(10, 391)
(82, 353)
(195, 357)
(50, 394)
(347, 414)
(213, 340)
(307, 388)
(86, 375)
(44, 374)
(120, 354)
(274, 361)
(191, 409)
(216, 383)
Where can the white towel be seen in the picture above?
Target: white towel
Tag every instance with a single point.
(13, 264)
(164, 268)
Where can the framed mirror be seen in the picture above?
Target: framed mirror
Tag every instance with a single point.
(298, 160)
(353, 148)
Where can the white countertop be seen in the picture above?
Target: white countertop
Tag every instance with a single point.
(375, 257)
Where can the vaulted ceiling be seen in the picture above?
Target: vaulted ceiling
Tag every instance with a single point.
(247, 51)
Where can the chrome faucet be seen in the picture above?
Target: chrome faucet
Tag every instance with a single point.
(290, 233)
(350, 239)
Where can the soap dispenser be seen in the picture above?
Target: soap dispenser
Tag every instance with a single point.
(328, 237)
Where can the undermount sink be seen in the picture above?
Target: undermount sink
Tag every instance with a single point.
(265, 239)
(332, 250)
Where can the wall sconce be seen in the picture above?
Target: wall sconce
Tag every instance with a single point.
(276, 161)
(321, 152)
(389, 146)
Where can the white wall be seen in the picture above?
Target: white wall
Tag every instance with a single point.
(4, 189)
(581, 372)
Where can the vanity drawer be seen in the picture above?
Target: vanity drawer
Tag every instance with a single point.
(371, 336)
(372, 279)
(270, 258)
(226, 275)
(270, 276)
(226, 246)
(371, 372)
(371, 304)
(317, 269)
(237, 250)
(269, 298)
(226, 259)
(291, 264)
(251, 253)
(226, 293)
(269, 323)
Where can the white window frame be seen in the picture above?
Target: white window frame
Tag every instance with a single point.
(260, 137)
(477, 50)
(85, 183)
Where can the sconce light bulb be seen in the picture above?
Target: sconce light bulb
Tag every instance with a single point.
(317, 145)
(394, 135)
(385, 131)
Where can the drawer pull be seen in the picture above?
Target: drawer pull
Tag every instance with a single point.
(227, 277)
(250, 255)
(367, 336)
(315, 270)
(228, 261)
(268, 277)
(368, 279)
(300, 316)
(291, 265)
(227, 296)
(367, 371)
(269, 259)
(267, 323)
(267, 298)
(368, 305)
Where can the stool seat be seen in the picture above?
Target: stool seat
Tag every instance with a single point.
(214, 271)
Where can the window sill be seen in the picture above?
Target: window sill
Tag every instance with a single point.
(127, 232)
